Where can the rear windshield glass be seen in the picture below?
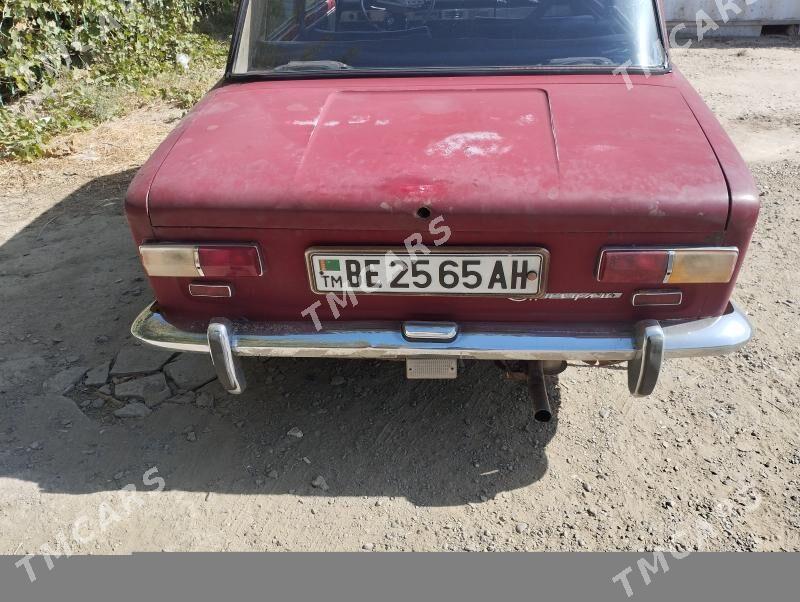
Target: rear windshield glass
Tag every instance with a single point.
(310, 36)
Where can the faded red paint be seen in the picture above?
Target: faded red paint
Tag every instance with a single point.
(570, 163)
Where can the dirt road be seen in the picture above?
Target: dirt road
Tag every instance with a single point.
(710, 461)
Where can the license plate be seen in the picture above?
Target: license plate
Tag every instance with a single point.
(488, 272)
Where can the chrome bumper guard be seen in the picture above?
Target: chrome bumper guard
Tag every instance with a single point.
(643, 344)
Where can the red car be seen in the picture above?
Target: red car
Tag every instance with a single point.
(524, 181)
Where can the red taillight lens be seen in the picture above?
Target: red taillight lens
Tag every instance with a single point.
(633, 266)
(208, 261)
(228, 262)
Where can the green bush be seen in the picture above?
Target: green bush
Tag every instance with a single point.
(41, 38)
(61, 60)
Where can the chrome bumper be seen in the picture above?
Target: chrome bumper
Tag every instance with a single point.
(472, 340)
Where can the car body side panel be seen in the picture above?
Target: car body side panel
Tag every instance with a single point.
(742, 189)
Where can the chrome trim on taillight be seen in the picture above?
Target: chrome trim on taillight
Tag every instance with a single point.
(197, 261)
(670, 265)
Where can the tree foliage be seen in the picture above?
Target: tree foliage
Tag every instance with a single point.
(66, 64)
(39, 39)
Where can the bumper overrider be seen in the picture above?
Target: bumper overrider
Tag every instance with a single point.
(644, 345)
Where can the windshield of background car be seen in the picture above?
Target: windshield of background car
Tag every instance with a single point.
(297, 37)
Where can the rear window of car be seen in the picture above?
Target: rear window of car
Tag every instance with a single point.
(312, 36)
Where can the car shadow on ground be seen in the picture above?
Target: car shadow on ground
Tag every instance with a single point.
(70, 285)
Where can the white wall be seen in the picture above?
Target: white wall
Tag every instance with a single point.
(761, 10)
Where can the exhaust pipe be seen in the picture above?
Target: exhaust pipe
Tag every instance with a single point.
(538, 392)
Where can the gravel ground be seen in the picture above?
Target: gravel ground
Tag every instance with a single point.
(325, 455)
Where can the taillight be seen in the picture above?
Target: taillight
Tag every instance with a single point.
(626, 266)
(205, 261)
(703, 265)
(671, 266)
(229, 262)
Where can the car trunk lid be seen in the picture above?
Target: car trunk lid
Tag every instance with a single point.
(544, 154)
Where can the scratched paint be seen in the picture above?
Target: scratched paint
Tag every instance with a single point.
(470, 144)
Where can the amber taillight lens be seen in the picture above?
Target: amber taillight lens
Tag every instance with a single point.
(707, 265)
(670, 266)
